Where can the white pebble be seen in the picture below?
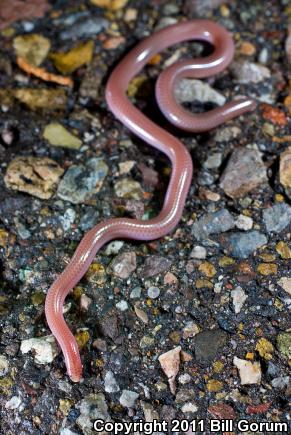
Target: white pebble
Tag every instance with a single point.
(3, 365)
(244, 222)
(198, 252)
(122, 305)
(154, 292)
(44, 348)
(13, 403)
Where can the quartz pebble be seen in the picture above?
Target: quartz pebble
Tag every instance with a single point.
(44, 348)
(244, 223)
(250, 373)
(198, 252)
(128, 188)
(225, 134)
(13, 403)
(4, 365)
(110, 384)
(114, 247)
(213, 161)
(122, 305)
(239, 297)
(153, 292)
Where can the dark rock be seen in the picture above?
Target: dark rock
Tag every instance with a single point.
(204, 178)
(213, 223)
(207, 345)
(226, 324)
(154, 265)
(89, 219)
(241, 245)
(110, 325)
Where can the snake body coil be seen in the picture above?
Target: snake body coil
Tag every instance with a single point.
(160, 139)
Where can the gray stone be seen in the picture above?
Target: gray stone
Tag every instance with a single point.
(246, 72)
(244, 172)
(128, 398)
(207, 344)
(277, 218)
(68, 218)
(273, 370)
(213, 223)
(122, 305)
(281, 382)
(200, 8)
(241, 245)
(67, 431)
(88, 27)
(22, 231)
(114, 247)
(204, 178)
(81, 182)
(213, 161)
(4, 365)
(225, 134)
(92, 407)
(188, 90)
(89, 219)
(110, 384)
(135, 293)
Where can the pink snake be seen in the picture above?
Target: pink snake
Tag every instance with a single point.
(160, 139)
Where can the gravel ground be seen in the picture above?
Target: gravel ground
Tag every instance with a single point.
(192, 326)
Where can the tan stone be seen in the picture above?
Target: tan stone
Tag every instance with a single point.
(33, 175)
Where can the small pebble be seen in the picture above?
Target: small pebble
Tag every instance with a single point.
(122, 305)
(198, 252)
(110, 384)
(250, 373)
(153, 292)
(244, 223)
(128, 398)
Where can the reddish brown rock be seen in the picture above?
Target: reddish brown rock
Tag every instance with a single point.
(15, 10)
(222, 411)
(259, 409)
